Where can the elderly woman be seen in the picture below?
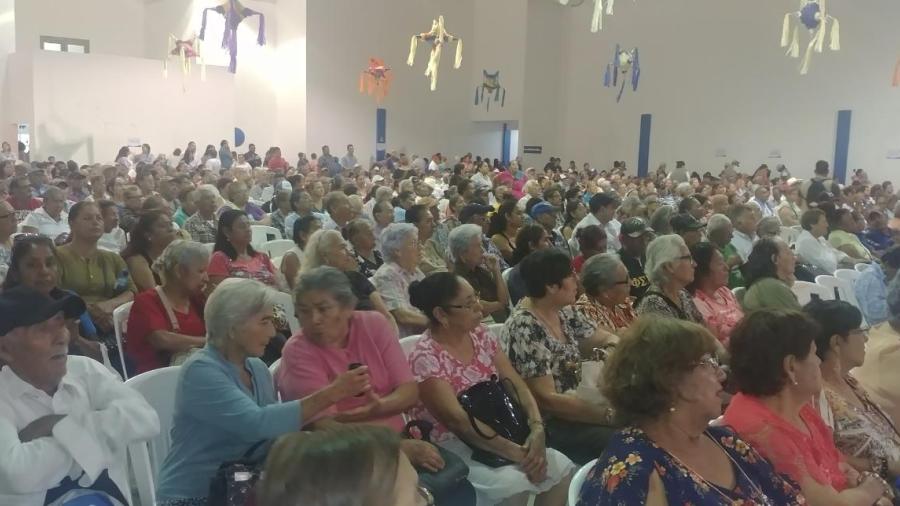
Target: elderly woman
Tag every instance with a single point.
(292, 261)
(659, 220)
(768, 227)
(361, 236)
(843, 236)
(607, 287)
(670, 269)
(467, 251)
(167, 321)
(237, 197)
(720, 309)
(793, 206)
(456, 353)
(863, 432)
(769, 273)
(776, 371)
(664, 381)
(546, 342)
(225, 400)
(328, 248)
(300, 469)
(149, 237)
(400, 245)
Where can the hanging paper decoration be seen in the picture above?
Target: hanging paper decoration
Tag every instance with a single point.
(437, 37)
(897, 74)
(185, 50)
(234, 14)
(491, 86)
(597, 17)
(623, 62)
(376, 79)
(812, 16)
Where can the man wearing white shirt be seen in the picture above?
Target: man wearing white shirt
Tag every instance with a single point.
(337, 205)
(744, 219)
(65, 422)
(812, 248)
(602, 213)
(434, 167)
(349, 161)
(50, 219)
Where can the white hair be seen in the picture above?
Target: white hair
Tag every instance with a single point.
(179, 254)
(326, 279)
(660, 252)
(393, 238)
(461, 237)
(598, 274)
(684, 188)
(318, 247)
(208, 190)
(232, 304)
(717, 222)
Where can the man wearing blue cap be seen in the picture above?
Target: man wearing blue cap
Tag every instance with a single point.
(545, 215)
(65, 421)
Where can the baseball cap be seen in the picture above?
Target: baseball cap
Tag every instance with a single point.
(542, 208)
(466, 213)
(685, 223)
(23, 307)
(634, 228)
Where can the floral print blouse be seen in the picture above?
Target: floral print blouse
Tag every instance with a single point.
(611, 319)
(721, 311)
(535, 353)
(654, 302)
(622, 475)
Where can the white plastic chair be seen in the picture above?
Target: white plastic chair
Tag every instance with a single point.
(120, 327)
(804, 291)
(850, 275)
(286, 301)
(277, 248)
(495, 329)
(274, 367)
(861, 267)
(844, 289)
(408, 343)
(158, 388)
(209, 246)
(578, 481)
(739, 292)
(262, 234)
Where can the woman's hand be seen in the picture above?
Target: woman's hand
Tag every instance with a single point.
(492, 262)
(369, 411)
(422, 454)
(535, 462)
(350, 383)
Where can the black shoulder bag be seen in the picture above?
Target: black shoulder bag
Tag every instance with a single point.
(490, 403)
(233, 482)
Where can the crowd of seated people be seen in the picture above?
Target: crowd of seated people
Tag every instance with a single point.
(540, 278)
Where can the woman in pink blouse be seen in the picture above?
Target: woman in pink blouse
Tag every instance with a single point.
(720, 309)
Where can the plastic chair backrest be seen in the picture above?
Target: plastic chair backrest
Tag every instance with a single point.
(158, 388)
(277, 248)
(861, 267)
(578, 481)
(804, 291)
(261, 234)
(120, 327)
(274, 367)
(844, 288)
(850, 275)
(408, 343)
(286, 301)
(739, 292)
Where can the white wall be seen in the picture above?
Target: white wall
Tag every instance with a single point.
(727, 84)
(498, 44)
(90, 117)
(7, 46)
(343, 34)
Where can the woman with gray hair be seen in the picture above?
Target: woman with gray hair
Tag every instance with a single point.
(659, 220)
(328, 248)
(167, 320)
(468, 255)
(607, 287)
(400, 246)
(225, 401)
(670, 268)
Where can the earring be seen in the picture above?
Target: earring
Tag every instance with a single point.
(672, 409)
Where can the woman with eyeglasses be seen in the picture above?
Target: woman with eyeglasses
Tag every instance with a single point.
(863, 431)
(776, 369)
(455, 353)
(607, 287)
(665, 383)
(670, 269)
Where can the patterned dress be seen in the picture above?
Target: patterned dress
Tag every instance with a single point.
(654, 302)
(612, 319)
(622, 475)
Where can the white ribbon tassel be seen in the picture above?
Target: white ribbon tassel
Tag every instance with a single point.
(786, 30)
(835, 35)
(897, 75)
(820, 36)
(457, 63)
(794, 50)
(413, 45)
(804, 68)
(597, 18)
(609, 7)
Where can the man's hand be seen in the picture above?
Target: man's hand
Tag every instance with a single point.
(42, 427)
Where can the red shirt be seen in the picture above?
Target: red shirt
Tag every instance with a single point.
(30, 205)
(148, 315)
(578, 263)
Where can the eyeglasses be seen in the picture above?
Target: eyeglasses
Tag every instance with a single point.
(709, 360)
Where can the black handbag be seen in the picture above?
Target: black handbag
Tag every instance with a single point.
(448, 483)
(233, 483)
(491, 403)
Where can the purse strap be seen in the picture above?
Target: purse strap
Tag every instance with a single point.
(173, 321)
(249, 453)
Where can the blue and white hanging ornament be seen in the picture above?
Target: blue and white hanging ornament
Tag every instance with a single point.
(812, 16)
(623, 63)
(490, 86)
(597, 17)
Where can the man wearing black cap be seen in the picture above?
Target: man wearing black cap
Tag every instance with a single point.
(635, 236)
(65, 421)
(689, 228)
(603, 208)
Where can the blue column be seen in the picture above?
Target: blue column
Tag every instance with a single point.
(380, 134)
(644, 146)
(842, 145)
(507, 139)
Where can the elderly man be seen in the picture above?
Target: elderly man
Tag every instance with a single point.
(813, 249)
(20, 197)
(50, 219)
(635, 236)
(65, 421)
(204, 223)
(720, 232)
(339, 210)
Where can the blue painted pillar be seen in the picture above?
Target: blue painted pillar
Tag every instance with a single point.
(507, 139)
(842, 145)
(644, 145)
(380, 134)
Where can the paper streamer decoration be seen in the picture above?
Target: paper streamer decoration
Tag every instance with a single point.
(437, 37)
(185, 50)
(376, 79)
(234, 14)
(897, 74)
(812, 16)
(490, 86)
(597, 17)
(623, 63)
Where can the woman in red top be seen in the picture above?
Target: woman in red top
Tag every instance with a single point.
(592, 241)
(776, 370)
(167, 321)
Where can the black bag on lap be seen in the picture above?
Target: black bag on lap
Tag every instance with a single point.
(491, 403)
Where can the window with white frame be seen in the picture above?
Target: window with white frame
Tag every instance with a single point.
(65, 45)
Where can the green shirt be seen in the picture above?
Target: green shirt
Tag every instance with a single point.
(180, 217)
(769, 293)
(94, 279)
(735, 278)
